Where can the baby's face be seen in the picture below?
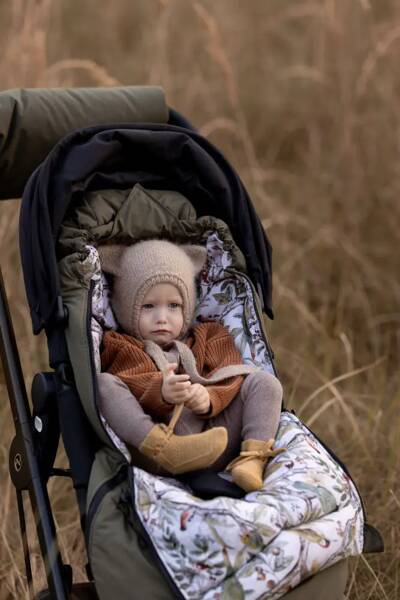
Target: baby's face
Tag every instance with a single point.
(161, 315)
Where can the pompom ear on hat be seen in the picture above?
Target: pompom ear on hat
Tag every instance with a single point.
(139, 267)
(110, 258)
(198, 255)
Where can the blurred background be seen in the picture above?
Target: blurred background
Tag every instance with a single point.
(303, 98)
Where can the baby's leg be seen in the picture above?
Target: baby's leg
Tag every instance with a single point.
(252, 415)
(121, 410)
(188, 423)
(261, 395)
(175, 454)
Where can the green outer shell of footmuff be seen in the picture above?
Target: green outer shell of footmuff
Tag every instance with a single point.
(113, 533)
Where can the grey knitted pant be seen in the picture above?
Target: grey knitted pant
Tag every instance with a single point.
(252, 414)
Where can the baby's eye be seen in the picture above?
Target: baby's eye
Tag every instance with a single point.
(174, 304)
(147, 306)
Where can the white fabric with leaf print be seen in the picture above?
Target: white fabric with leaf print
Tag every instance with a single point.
(306, 517)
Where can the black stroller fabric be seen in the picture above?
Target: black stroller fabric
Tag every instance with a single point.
(156, 156)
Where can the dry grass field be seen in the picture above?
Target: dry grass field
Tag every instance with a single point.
(304, 100)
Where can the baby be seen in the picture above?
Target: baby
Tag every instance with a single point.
(228, 412)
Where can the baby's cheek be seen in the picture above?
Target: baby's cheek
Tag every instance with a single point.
(142, 324)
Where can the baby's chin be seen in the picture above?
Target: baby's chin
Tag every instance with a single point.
(162, 340)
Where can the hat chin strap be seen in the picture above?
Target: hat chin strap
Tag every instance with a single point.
(189, 363)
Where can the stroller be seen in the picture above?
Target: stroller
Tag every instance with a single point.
(196, 536)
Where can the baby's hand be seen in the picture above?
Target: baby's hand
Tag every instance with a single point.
(199, 400)
(175, 388)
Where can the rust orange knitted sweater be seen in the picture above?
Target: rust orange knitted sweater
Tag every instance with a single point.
(212, 346)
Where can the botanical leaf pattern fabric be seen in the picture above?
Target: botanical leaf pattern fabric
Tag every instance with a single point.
(102, 317)
(228, 297)
(307, 516)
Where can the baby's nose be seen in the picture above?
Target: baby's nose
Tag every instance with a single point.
(162, 315)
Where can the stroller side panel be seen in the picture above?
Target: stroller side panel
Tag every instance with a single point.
(112, 531)
(77, 301)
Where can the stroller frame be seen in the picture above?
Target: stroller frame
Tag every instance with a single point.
(25, 468)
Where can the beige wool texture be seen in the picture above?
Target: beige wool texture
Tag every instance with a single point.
(139, 267)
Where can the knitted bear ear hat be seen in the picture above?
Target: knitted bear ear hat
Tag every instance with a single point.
(139, 267)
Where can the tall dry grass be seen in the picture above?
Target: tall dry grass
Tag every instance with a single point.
(303, 98)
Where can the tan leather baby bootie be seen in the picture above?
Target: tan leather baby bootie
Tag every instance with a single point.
(183, 453)
(248, 468)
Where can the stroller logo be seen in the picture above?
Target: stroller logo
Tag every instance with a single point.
(18, 462)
